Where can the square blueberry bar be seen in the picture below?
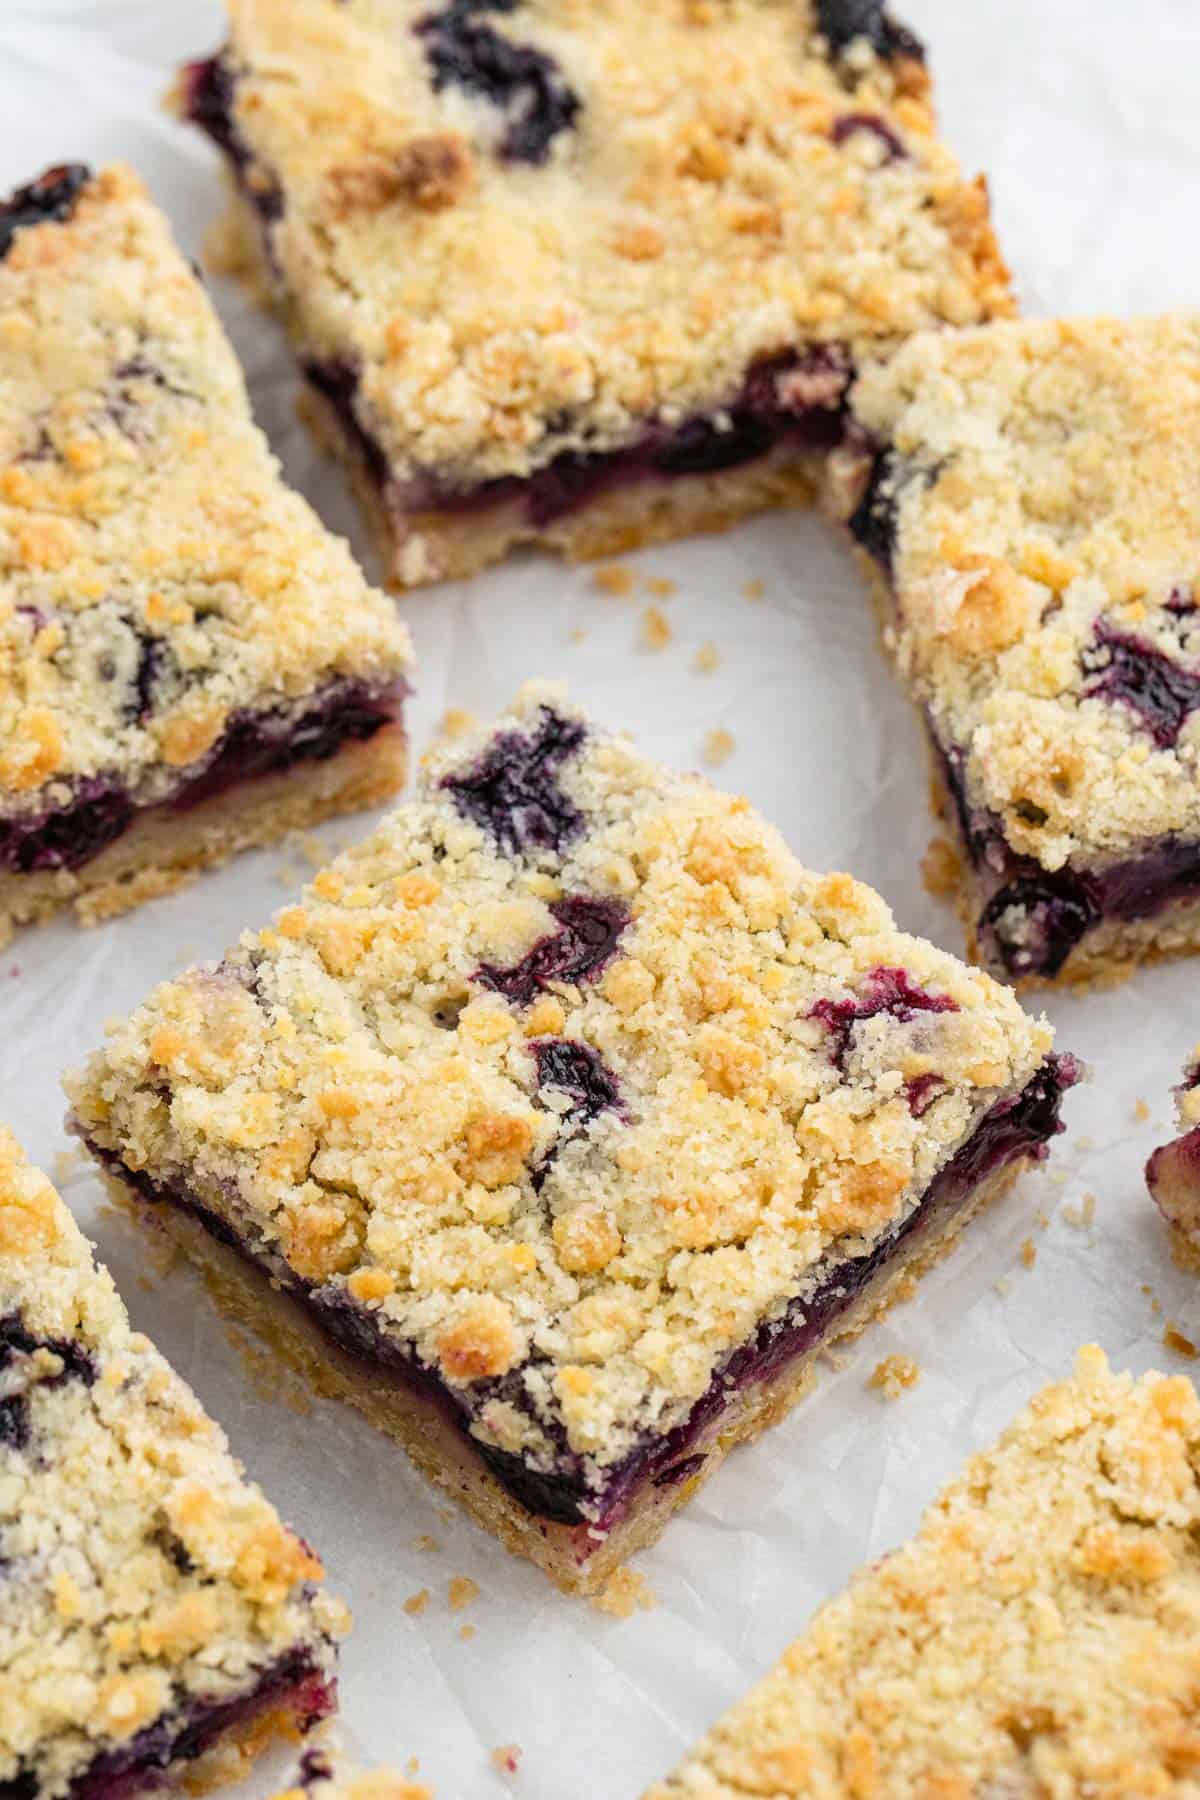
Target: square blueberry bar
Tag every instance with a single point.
(1173, 1170)
(1027, 497)
(563, 1122)
(157, 1620)
(586, 276)
(1037, 1637)
(189, 663)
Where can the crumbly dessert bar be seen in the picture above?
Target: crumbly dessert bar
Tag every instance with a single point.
(319, 1777)
(1028, 499)
(157, 1620)
(1037, 1637)
(564, 1120)
(1173, 1170)
(189, 663)
(586, 276)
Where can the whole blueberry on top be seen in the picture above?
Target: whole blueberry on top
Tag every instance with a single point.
(526, 84)
(841, 21)
(51, 197)
(512, 793)
(585, 941)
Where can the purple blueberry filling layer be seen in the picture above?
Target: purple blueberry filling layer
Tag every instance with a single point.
(1033, 918)
(254, 743)
(51, 197)
(141, 1765)
(1019, 1126)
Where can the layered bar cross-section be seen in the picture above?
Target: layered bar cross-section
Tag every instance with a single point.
(587, 277)
(189, 663)
(1038, 1636)
(1028, 499)
(564, 1120)
(157, 1620)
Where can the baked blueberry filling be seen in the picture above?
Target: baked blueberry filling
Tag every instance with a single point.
(17, 1344)
(254, 743)
(51, 197)
(513, 793)
(1125, 669)
(850, 124)
(557, 1488)
(1033, 918)
(841, 21)
(888, 991)
(576, 1070)
(141, 1765)
(584, 943)
(525, 84)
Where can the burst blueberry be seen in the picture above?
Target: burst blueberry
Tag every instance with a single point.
(886, 990)
(50, 198)
(1130, 670)
(512, 792)
(525, 84)
(842, 21)
(586, 941)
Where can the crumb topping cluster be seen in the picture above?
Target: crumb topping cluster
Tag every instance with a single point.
(1041, 511)
(318, 1778)
(570, 1073)
(1039, 1636)
(139, 1570)
(533, 228)
(156, 577)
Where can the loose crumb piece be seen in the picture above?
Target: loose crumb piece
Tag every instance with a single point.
(506, 1759)
(614, 578)
(466, 1633)
(425, 1542)
(718, 747)
(656, 629)
(941, 868)
(1176, 1340)
(1081, 1216)
(625, 1592)
(708, 658)
(416, 1603)
(462, 1591)
(578, 635)
(1028, 1253)
(661, 586)
(1141, 1111)
(1003, 1287)
(754, 589)
(455, 721)
(894, 1375)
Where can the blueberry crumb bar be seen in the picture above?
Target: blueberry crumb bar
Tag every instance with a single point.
(564, 1120)
(189, 663)
(1038, 1636)
(587, 276)
(1173, 1170)
(156, 1618)
(1028, 499)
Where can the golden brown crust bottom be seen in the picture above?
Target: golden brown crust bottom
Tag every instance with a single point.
(163, 850)
(440, 1452)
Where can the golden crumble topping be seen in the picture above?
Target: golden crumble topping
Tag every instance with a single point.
(671, 230)
(569, 1074)
(1046, 495)
(156, 577)
(321, 1779)
(1040, 1635)
(142, 1574)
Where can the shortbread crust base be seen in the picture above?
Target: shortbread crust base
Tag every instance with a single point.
(574, 1557)
(162, 850)
(450, 545)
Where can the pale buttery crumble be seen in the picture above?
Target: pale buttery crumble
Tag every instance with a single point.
(671, 230)
(707, 658)
(616, 579)
(719, 746)
(895, 1375)
(461, 1592)
(321, 1778)
(143, 1576)
(570, 1074)
(1043, 508)
(1028, 1253)
(625, 1592)
(661, 587)
(416, 1603)
(656, 629)
(1038, 1636)
(157, 580)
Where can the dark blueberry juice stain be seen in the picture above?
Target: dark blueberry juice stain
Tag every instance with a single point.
(51, 197)
(841, 21)
(512, 791)
(1126, 669)
(886, 991)
(851, 124)
(873, 522)
(15, 1340)
(525, 84)
(584, 943)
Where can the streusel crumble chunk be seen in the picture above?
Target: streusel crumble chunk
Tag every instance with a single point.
(1038, 1636)
(586, 275)
(567, 1116)
(156, 1618)
(1173, 1170)
(1028, 497)
(189, 663)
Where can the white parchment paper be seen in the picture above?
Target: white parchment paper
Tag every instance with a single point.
(1084, 114)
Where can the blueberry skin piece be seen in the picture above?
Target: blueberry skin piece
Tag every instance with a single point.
(51, 197)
